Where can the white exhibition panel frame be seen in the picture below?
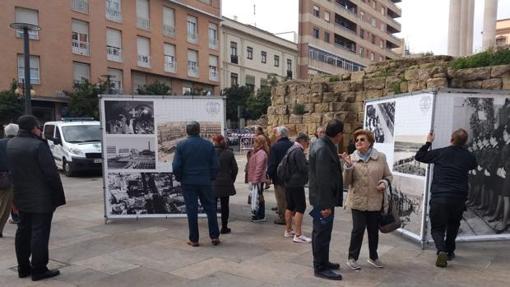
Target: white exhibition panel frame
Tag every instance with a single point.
(140, 134)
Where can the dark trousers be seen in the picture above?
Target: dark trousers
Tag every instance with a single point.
(445, 219)
(321, 237)
(225, 211)
(362, 220)
(192, 193)
(32, 238)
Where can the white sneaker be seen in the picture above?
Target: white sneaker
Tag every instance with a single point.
(376, 263)
(353, 264)
(301, 239)
(289, 234)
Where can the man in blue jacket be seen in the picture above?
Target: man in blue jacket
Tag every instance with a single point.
(195, 165)
(449, 190)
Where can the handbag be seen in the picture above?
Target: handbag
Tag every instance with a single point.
(5, 180)
(390, 219)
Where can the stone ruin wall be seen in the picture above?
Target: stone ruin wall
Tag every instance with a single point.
(342, 97)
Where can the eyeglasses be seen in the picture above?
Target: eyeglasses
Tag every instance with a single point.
(361, 140)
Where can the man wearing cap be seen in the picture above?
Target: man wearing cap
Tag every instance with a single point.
(38, 192)
(10, 131)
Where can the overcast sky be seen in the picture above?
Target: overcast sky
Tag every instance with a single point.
(424, 22)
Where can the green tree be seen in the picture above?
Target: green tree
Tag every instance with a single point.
(84, 101)
(257, 104)
(156, 88)
(236, 97)
(11, 106)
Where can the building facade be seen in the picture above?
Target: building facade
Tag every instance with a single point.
(503, 32)
(250, 55)
(346, 35)
(130, 42)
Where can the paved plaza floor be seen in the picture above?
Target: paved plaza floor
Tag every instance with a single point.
(153, 252)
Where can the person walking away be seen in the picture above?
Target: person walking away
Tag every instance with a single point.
(367, 175)
(6, 193)
(195, 165)
(448, 192)
(326, 192)
(38, 192)
(278, 151)
(223, 185)
(297, 171)
(257, 169)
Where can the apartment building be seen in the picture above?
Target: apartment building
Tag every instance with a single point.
(250, 55)
(346, 35)
(503, 32)
(131, 42)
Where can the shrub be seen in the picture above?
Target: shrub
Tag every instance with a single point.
(483, 59)
(334, 79)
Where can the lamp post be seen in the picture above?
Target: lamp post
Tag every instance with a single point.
(26, 27)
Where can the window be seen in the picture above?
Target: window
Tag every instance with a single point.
(249, 82)
(34, 69)
(289, 65)
(249, 53)
(27, 16)
(168, 22)
(263, 57)
(372, 56)
(381, 59)
(233, 53)
(361, 15)
(80, 37)
(81, 72)
(192, 63)
(374, 22)
(234, 79)
(169, 51)
(362, 52)
(316, 33)
(326, 16)
(80, 6)
(115, 80)
(113, 45)
(276, 61)
(213, 68)
(144, 55)
(383, 10)
(208, 2)
(334, 60)
(316, 11)
(48, 131)
(381, 44)
(142, 14)
(362, 33)
(213, 36)
(113, 10)
(192, 29)
(326, 37)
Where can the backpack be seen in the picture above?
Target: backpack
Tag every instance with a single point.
(390, 214)
(283, 170)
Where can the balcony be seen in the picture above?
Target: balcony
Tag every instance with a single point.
(143, 23)
(289, 75)
(144, 61)
(193, 37)
(234, 59)
(344, 43)
(81, 6)
(170, 64)
(346, 24)
(348, 6)
(168, 30)
(113, 14)
(80, 48)
(114, 53)
(392, 14)
(193, 69)
(213, 73)
(213, 43)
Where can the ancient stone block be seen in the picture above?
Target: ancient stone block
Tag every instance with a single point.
(457, 83)
(357, 76)
(280, 89)
(302, 99)
(339, 87)
(283, 120)
(329, 97)
(312, 128)
(374, 83)
(319, 87)
(301, 128)
(327, 117)
(309, 108)
(345, 76)
(281, 110)
(338, 106)
(321, 108)
(295, 119)
(316, 118)
(473, 74)
(506, 82)
(315, 98)
(424, 75)
(492, 84)
(436, 83)
(498, 71)
(372, 94)
(416, 86)
(306, 118)
(404, 87)
(278, 99)
(473, 85)
(411, 74)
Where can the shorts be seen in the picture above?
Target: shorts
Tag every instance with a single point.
(296, 201)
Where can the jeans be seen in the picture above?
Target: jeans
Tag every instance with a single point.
(32, 237)
(321, 237)
(362, 220)
(445, 218)
(192, 193)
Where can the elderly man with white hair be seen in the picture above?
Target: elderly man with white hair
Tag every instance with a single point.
(6, 194)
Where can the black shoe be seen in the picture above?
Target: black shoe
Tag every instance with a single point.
(442, 259)
(333, 266)
(450, 256)
(45, 275)
(1, 235)
(23, 272)
(225, 230)
(279, 222)
(328, 274)
(215, 241)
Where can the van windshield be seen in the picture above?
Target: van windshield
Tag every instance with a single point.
(81, 134)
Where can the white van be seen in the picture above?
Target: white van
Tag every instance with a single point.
(75, 144)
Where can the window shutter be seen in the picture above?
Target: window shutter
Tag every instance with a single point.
(142, 9)
(169, 50)
(26, 16)
(80, 27)
(81, 71)
(143, 46)
(192, 56)
(113, 38)
(168, 17)
(213, 61)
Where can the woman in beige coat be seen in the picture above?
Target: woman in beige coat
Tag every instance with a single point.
(367, 174)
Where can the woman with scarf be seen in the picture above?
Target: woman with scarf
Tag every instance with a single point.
(367, 174)
(257, 167)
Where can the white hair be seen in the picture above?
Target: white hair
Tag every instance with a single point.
(282, 131)
(11, 130)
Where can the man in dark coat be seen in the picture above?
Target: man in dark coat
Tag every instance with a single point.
(326, 192)
(38, 192)
(448, 192)
(195, 165)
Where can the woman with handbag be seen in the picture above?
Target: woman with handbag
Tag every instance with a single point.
(367, 174)
(257, 169)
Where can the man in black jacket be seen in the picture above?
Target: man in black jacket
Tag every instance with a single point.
(38, 192)
(326, 187)
(448, 191)
(278, 151)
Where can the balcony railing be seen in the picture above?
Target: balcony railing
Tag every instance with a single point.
(346, 8)
(80, 48)
(234, 59)
(192, 69)
(213, 73)
(144, 61)
(213, 43)
(113, 14)
(169, 64)
(192, 37)
(80, 6)
(350, 49)
(114, 53)
(289, 74)
(143, 23)
(345, 28)
(168, 30)
(32, 35)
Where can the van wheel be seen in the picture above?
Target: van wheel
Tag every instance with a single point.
(67, 169)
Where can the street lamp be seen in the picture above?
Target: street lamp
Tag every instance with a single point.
(26, 27)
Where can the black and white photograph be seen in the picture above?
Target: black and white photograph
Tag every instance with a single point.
(487, 120)
(132, 153)
(380, 119)
(129, 117)
(405, 150)
(144, 193)
(410, 191)
(246, 142)
(171, 133)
